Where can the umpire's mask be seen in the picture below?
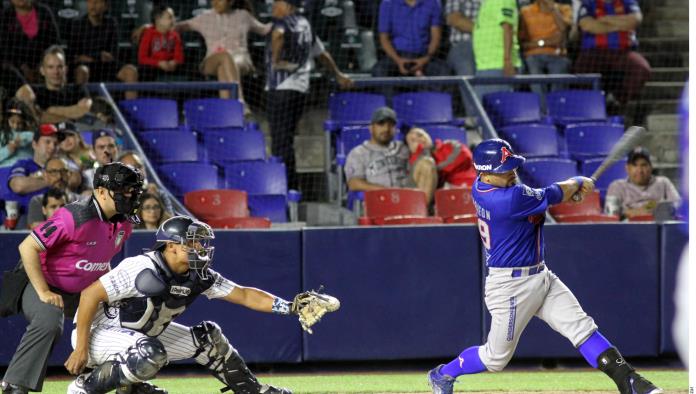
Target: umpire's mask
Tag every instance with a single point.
(125, 185)
(195, 235)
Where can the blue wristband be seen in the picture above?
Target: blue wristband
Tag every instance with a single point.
(280, 306)
(579, 180)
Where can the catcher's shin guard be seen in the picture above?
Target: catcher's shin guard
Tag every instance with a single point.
(627, 380)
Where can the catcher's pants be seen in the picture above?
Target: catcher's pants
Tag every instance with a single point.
(512, 301)
(108, 341)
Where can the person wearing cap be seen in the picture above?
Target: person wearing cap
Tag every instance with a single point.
(26, 176)
(382, 162)
(56, 100)
(290, 54)
(641, 192)
(56, 175)
(15, 134)
(60, 258)
(77, 155)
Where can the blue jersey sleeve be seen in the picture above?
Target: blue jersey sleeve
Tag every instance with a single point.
(527, 201)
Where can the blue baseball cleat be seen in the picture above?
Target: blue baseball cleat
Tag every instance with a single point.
(441, 384)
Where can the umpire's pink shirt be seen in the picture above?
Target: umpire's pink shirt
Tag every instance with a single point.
(78, 244)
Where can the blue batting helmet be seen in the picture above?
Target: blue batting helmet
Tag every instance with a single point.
(496, 155)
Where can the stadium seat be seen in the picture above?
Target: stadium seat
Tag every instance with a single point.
(576, 106)
(591, 140)
(237, 223)
(166, 146)
(217, 203)
(352, 108)
(349, 138)
(544, 172)
(271, 206)
(507, 108)
(455, 205)
(256, 177)
(150, 113)
(446, 132)
(182, 178)
(233, 145)
(397, 206)
(614, 172)
(589, 210)
(213, 113)
(532, 140)
(424, 108)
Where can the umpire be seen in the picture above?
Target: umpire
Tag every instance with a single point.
(60, 258)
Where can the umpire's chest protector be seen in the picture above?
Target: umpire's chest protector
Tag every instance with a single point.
(165, 296)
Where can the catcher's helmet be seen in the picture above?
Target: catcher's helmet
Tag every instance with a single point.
(496, 155)
(195, 235)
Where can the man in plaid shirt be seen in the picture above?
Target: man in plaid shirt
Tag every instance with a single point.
(461, 16)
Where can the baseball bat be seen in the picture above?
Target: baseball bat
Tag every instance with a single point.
(631, 138)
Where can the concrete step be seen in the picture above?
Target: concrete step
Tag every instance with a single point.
(663, 90)
(660, 123)
(652, 106)
(663, 146)
(650, 43)
(676, 28)
(669, 74)
(667, 59)
(666, 13)
(678, 4)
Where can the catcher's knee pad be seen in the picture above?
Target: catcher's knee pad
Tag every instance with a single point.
(143, 360)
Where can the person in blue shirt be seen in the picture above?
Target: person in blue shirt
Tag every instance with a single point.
(410, 33)
(519, 285)
(15, 133)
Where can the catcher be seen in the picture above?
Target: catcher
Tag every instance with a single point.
(125, 330)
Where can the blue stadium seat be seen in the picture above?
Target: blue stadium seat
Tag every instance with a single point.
(349, 138)
(446, 132)
(506, 108)
(150, 113)
(616, 171)
(234, 145)
(271, 206)
(4, 187)
(532, 140)
(544, 172)
(424, 108)
(213, 113)
(591, 140)
(256, 177)
(576, 106)
(182, 178)
(352, 108)
(166, 146)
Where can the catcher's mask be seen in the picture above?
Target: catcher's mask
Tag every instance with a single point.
(195, 235)
(125, 185)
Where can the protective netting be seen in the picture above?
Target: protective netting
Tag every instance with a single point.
(197, 141)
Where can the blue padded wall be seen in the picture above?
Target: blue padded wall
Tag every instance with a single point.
(673, 241)
(406, 292)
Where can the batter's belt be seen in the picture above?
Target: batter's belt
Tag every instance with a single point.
(518, 271)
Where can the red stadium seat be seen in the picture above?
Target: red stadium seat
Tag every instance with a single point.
(237, 222)
(217, 203)
(642, 218)
(455, 205)
(589, 210)
(397, 206)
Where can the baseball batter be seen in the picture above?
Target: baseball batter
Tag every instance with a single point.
(519, 285)
(125, 329)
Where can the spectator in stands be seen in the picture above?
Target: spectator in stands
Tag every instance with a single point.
(55, 175)
(160, 51)
(132, 159)
(461, 17)
(495, 43)
(16, 134)
(105, 149)
(453, 160)
(609, 43)
(93, 48)
(56, 100)
(382, 162)
(641, 192)
(27, 176)
(290, 57)
(27, 28)
(410, 33)
(50, 202)
(225, 29)
(543, 33)
(78, 156)
(152, 212)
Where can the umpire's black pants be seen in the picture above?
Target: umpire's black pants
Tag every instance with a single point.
(284, 110)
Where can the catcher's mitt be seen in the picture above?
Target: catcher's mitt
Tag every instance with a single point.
(310, 306)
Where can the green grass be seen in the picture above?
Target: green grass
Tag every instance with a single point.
(416, 382)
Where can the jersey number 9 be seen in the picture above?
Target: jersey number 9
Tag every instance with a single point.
(485, 233)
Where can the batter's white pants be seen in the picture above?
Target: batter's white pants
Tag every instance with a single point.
(512, 301)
